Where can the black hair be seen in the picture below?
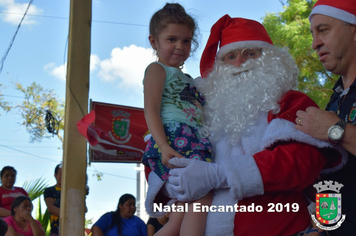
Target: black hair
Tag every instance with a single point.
(59, 166)
(173, 13)
(2, 172)
(116, 214)
(3, 227)
(17, 202)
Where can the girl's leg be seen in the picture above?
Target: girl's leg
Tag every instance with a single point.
(194, 222)
(173, 225)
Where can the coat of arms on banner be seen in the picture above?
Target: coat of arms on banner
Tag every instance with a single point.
(328, 214)
(120, 127)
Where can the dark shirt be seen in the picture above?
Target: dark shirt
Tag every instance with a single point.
(155, 223)
(55, 193)
(345, 108)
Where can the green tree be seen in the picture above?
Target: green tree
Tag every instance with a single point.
(41, 111)
(291, 28)
(34, 111)
(4, 104)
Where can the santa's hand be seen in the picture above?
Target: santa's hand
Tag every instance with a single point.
(194, 179)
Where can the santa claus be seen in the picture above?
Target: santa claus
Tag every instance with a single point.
(262, 163)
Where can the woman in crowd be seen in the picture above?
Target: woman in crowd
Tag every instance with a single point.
(155, 224)
(121, 222)
(7, 190)
(21, 221)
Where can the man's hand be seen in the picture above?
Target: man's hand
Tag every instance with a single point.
(194, 179)
(316, 122)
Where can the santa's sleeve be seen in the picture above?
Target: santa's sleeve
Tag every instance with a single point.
(290, 160)
(289, 166)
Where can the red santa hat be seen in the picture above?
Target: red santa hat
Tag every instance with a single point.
(344, 10)
(229, 34)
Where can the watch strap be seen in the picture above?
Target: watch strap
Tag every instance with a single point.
(341, 124)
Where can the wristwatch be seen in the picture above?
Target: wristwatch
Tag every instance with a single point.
(336, 132)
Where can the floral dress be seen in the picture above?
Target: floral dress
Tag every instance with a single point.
(182, 116)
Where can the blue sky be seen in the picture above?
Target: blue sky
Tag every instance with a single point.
(120, 52)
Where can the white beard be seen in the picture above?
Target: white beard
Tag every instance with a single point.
(236, 96)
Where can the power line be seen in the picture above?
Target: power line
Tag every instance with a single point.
(5, 95)
(105, 173)
(13, 96)
(27, 153)
(36, 146)
(13, 38)
(66, 18)
(54, 17)
(120, 176)
(118, 23)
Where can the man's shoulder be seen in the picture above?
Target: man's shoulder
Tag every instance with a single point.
(48, 192)
(51, 188)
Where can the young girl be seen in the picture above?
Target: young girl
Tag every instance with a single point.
(173, 112)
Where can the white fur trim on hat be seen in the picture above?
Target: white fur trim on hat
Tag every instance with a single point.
(333, 12)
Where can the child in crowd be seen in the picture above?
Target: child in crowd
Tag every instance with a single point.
(173, 112)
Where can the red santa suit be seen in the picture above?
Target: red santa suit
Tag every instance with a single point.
(273, 163)
(270, 168)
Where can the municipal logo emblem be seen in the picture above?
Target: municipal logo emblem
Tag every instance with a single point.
(120, 130)
(328, 208)
(352, 114)
(120, 127)
(328, 214)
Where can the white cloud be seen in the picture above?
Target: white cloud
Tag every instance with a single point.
(58, 72)
(14, 12)
(94, 62)
(126, 66)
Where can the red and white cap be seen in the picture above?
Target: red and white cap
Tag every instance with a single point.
(344, 10)
(229, 34)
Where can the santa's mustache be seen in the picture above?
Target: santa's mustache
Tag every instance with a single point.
(246, 67)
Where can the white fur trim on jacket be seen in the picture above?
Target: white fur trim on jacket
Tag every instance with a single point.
(155, 184)
(283, 130)
(221, 223)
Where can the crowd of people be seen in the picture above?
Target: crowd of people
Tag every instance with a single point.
(16, 208)
(240, 135)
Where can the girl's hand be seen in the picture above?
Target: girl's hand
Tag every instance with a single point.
(167, 153)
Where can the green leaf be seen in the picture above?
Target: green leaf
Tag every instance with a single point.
(35, 188)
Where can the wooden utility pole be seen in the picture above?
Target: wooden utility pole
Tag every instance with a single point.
(72, 207)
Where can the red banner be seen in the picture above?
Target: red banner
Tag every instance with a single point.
(115, 133)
